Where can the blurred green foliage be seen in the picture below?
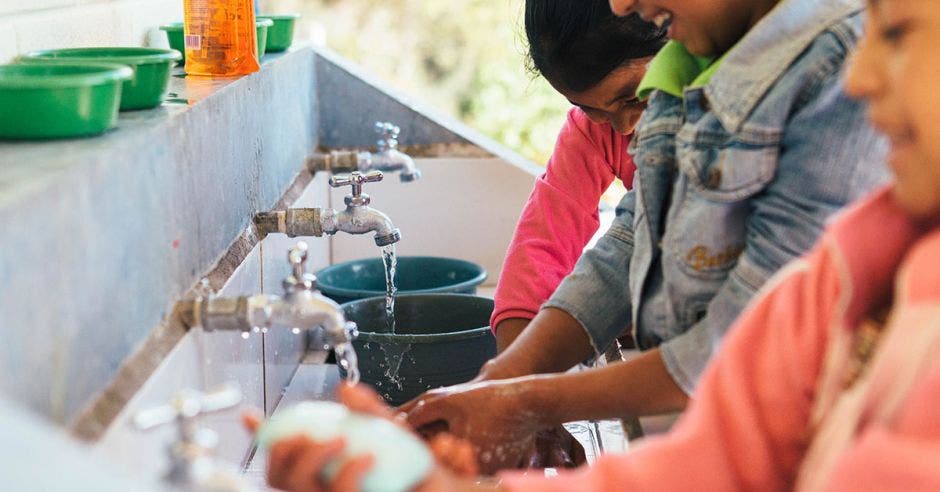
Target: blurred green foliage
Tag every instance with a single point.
(465, 58)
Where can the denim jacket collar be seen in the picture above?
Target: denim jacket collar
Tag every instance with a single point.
(764, 53)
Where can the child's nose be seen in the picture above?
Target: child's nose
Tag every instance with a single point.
(861, 77)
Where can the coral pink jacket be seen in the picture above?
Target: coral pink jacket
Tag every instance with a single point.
(561, 214)
(772, 412)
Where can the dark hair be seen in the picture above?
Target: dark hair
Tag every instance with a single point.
(577, 43)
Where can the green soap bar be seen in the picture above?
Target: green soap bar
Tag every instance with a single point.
(401, 459)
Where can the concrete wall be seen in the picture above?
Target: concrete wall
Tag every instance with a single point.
(101, 235)
(47, 24)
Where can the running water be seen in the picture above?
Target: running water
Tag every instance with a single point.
(390, 261)
(346, 355)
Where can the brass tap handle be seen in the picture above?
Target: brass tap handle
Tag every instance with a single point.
(388, 135)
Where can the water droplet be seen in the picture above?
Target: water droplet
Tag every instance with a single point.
(245, 335)
(264, 329)
(295, 330)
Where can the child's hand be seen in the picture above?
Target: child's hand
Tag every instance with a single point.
(295, 463)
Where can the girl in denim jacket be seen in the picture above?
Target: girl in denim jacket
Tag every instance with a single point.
(747, 147)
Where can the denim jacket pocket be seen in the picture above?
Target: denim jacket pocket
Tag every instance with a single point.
(709, 213)
(731, 174)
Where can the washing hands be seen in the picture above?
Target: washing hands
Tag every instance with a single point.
(299, 463)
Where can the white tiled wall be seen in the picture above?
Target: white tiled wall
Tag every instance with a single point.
(47, 24)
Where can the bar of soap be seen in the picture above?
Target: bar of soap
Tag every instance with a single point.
(401, 459)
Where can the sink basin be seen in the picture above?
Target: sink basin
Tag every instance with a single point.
(359, 279)
(439, 340)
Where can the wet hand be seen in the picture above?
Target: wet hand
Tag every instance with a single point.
(496, 416)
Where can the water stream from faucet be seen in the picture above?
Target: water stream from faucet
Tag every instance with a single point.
(346, 355)
(391, 262)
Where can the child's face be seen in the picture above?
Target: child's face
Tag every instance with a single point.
(704, 27)
(897, 69)
(613, 100)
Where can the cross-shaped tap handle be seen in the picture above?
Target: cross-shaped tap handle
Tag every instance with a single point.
(388, 135)
(299, 279)
(356, 180)
(297, 257)
(188, 404)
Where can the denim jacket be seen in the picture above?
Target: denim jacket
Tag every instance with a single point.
(733, 181)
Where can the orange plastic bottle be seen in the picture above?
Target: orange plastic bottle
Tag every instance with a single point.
(220, 37)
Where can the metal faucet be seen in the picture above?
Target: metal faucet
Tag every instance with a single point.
(388, 158)
(301, 308)
(193, 466)
(357, 218)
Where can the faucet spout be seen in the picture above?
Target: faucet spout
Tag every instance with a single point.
(388, 160)
(361, 220)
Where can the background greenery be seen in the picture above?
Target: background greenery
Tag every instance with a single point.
(466, 58)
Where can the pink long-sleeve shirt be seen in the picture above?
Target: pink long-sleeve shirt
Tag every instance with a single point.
(773, 411)
(561, 214)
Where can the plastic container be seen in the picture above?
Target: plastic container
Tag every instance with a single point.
(281, 34)
(363, 278)
(42, 101)
(439, 340)
(220, 37)
(151, 69)
(174, 36)
(262, 32)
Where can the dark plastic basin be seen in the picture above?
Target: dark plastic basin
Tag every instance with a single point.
(439, 340)
(363, 278)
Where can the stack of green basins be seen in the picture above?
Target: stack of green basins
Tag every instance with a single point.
(151, 69)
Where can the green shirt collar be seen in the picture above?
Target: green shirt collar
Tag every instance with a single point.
(674, 69)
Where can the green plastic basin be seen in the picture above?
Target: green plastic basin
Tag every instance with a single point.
(439, 340)
(362, 278)
(42, 101)
(262, 26)
(151, 66)
(281, 34)
(174, 35)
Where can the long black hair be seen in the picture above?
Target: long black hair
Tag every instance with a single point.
(576, 43)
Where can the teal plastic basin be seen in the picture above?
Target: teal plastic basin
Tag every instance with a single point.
(174, 36)
(43, 101)
(363, 278)
(281, 34)
(439, 340)
(151, 67)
